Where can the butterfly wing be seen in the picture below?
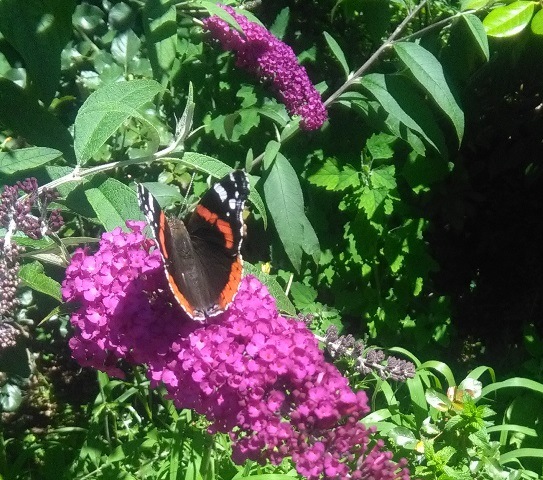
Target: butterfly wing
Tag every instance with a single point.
(175, 247)
(202, 261)
(216, 230)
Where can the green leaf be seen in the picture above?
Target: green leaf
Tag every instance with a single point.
(113, 202)
(285, 203)
(271, 151)
(371, 199)
(429, 74)
(417, 398)
(164, 194)
(509, 20)
(514, 455)
(256, 201)
(26, 159)
(214, 9)
(283, 302)
(205, 164)
(403, 437)
(106, 110)
(280, 24)
(303, 296)
(331, 177)
(401, 101)
(11, 397)
(537, 23)
(383, 177)
(38, 30)
(160, 25)
(338, 53)
(516, 382)
(125, 47)
(379, 146)
(473, 4)
(478, 33)
(32, 274)
(326, 176)
(513, 428)
(23, 114)
(88, 17)
(442, 368)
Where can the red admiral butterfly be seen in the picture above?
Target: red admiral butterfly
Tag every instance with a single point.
(202, 258)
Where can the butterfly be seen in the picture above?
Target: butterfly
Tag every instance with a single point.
(202, 259)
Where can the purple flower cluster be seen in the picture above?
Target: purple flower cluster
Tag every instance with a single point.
(120, 315)
(262, 54)
(253, 373)
(16, 215)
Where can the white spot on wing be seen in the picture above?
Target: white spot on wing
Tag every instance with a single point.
(223, 195)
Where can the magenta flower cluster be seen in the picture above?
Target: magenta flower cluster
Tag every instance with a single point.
(262, 54)
(254, 374)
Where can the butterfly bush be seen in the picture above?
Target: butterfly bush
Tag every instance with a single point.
(253, 373)
(262, 54)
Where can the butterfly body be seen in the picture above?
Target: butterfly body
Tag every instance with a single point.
(202, 259)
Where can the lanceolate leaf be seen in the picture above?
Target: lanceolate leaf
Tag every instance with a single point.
(537, 23)
(509, 20)
(26, 159)
(32, 274)
(338, 53)
(399, 98)
(113, 201)
(285, 203)
(478, 33)
(106, 110)
(280, 24)
(429, 74)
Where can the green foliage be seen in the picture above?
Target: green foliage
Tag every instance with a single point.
(455, 436)
(351, 223)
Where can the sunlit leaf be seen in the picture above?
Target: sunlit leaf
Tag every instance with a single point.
(34, 276)
(428, 72)
(509, 20)
(113, 202)
(26, 159)
(106, 110)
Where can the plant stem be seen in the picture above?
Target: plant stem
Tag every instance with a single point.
(370, 61)
(438, 24)
(79, 172)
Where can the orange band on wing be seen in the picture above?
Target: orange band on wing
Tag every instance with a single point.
(161, 235)
(223, 226)
(231, 287)
(179, 296)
